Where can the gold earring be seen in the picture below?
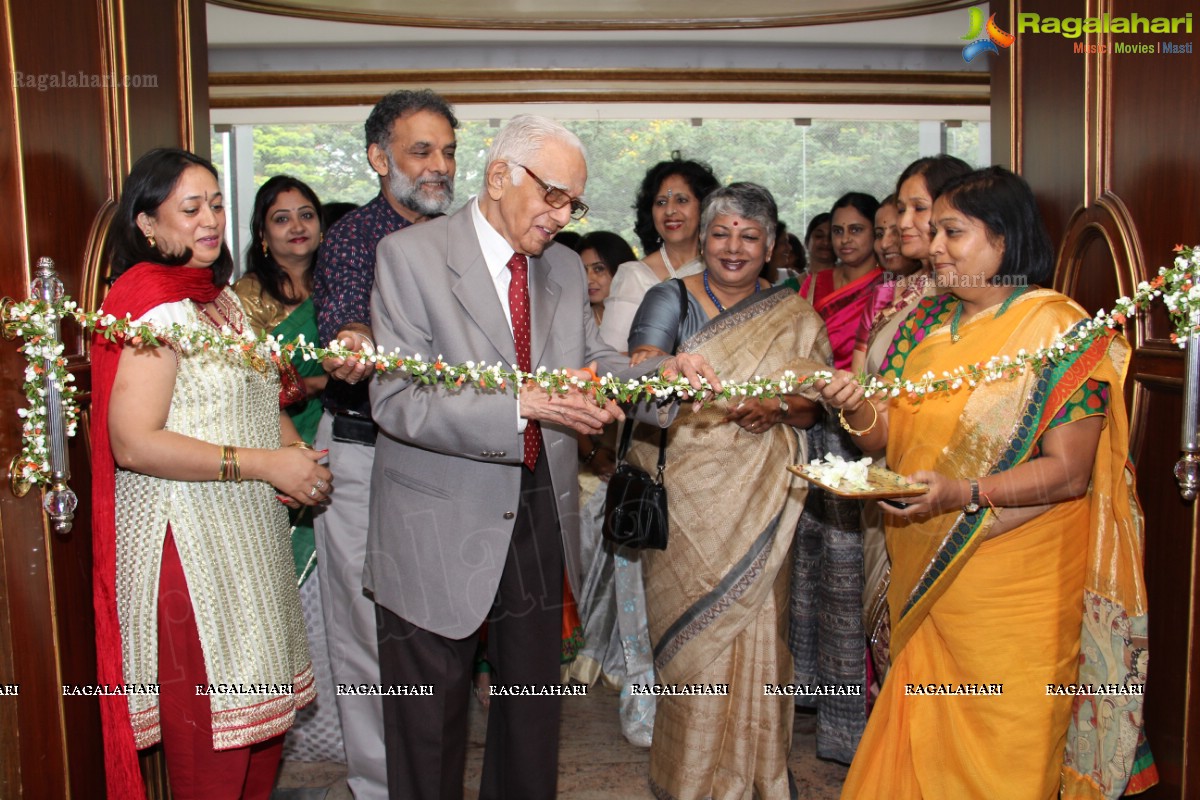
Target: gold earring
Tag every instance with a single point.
(322, 239)
(150, 239)
(264, 247)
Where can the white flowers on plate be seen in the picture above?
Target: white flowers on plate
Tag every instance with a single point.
(834, 469)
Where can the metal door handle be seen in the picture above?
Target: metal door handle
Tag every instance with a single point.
(58, 500)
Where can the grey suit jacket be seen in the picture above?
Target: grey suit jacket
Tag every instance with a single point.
(447, 473)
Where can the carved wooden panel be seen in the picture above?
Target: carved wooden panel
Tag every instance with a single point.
(608, 85)
(1109, 147)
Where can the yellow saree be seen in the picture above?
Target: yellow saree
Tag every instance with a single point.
(717, 597)
(1056, 602)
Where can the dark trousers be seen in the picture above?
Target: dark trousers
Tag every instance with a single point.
(426, 737)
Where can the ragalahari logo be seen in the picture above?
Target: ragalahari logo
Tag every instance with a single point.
(995, 39)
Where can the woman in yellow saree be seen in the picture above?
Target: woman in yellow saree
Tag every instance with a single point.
(1018, 607)
(717, 597)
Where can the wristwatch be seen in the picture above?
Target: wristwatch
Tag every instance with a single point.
(973, 506)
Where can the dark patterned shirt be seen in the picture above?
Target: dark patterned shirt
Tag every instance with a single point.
(342, 282)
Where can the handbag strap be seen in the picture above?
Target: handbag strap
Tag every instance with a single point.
(627, 430)
(683, 313)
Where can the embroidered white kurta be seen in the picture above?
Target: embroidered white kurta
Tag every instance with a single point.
(234, 544)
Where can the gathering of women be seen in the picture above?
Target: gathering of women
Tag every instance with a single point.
(512, 432)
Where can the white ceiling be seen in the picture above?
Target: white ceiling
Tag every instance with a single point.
(232, 28)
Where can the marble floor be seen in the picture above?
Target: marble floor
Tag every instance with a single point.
(595, 761)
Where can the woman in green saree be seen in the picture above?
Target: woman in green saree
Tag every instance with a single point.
(285, 229)
(285, 232)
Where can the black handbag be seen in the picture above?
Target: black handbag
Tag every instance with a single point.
(635, 504)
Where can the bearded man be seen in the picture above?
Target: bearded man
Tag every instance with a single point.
(411, 146)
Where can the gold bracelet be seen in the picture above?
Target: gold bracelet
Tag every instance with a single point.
(221, 473)
(864, 431)
(237, 465)
(303, 445)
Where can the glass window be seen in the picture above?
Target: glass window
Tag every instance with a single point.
(806, 167)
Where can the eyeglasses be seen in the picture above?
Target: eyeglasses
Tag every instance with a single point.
(557, 198)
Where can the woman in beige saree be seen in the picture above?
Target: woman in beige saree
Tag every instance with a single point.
(717, 597)
(1017, 577)
(909, 223)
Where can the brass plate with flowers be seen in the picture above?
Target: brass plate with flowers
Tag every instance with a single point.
(860, 480)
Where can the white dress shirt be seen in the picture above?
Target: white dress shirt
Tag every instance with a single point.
(496, 254)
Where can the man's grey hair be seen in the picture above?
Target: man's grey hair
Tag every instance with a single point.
(519, 141)
(744, 199)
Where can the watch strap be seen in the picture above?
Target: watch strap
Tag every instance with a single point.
(973, 506)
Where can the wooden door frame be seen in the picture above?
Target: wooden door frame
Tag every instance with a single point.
(63, 156)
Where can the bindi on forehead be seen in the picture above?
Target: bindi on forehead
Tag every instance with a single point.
(205, 196)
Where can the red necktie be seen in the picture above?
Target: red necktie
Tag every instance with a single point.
(518, 305)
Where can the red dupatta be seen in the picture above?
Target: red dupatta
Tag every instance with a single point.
(141, 288)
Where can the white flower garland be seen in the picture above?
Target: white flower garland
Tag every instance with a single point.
(44, 357)
(34, 321)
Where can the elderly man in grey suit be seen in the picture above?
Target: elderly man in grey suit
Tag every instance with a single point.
(474, 505)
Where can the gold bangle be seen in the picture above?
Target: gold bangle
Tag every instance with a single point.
(231, 467)
(303, 445)
(864, 431)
